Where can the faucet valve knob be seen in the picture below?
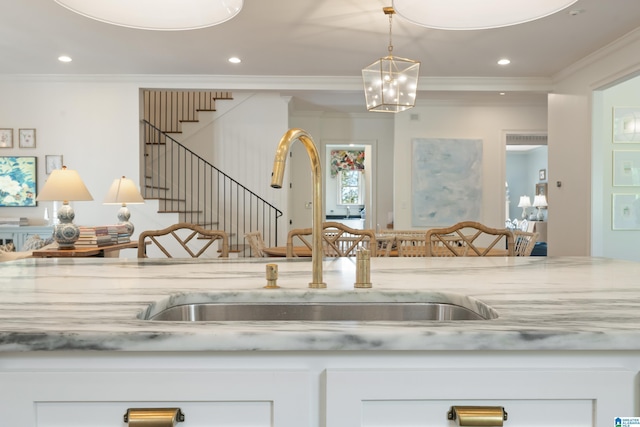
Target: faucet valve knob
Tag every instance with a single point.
(272, 276)
(363, 269)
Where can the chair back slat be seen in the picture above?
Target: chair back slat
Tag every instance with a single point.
(172, 240)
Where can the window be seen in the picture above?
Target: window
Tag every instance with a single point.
(350, 187)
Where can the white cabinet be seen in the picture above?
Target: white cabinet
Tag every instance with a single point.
(208, 398)
(531, 397)
(315, 389)
(18, 235)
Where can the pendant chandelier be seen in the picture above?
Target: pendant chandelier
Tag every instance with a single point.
(390, 83)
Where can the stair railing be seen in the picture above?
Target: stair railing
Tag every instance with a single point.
(200, 193)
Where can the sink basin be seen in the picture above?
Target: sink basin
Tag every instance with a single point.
(320, 312)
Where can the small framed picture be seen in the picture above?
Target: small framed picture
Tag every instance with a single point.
(542, 174)
(6, 138)
(27, 138)
(52, 162)
(626, 124)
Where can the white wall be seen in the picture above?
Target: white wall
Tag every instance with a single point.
(93, 123)
(375, 129)
(621, 244)
(574, 150)
(464, 120)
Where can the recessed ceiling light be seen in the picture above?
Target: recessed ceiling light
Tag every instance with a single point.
(502, 93)
(64, 58)
(504, 61)
(235, 60)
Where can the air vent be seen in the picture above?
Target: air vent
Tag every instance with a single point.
(525, 139)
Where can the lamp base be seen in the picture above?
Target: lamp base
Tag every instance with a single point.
(123, 216)
(66, 233)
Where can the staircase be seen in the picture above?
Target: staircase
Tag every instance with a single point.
(187, 184)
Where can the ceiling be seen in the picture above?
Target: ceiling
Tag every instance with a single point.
(325, 43)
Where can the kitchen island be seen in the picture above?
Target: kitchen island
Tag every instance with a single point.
(564, 349)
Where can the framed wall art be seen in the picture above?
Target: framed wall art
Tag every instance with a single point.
(541, 189)
(626, 212)
(626, 168)
(52, 162)
(27, 138)
(6, 138)
(626, 125)
(18, 181)
(446, 181)
(542, 174)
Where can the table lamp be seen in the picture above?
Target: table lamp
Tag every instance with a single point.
(122, 191)
(65, 185)
(540, 202)
(525, 202)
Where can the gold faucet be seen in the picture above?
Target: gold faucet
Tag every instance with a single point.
(276, 182)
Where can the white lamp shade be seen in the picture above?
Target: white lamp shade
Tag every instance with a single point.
(525, 202)
(65, 185)
(474, 14)
(165, 15)
(540, 201)
(123, 191)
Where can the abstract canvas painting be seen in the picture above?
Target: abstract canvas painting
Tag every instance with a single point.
(18, 181)
(446, 181)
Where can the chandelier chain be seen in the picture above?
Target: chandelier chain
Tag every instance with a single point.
(390, 48)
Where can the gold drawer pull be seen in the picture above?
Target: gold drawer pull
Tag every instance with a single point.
(153, 417)
(478, 415)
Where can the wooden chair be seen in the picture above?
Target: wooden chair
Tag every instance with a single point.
(464, 238)
(386, 243)
(255, 241)
(338, 240)
(411, 245)
(183, 237)
(524, 242)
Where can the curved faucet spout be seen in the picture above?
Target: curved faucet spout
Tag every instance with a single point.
(276, 182)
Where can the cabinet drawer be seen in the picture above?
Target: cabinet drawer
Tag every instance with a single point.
(100, 399)
(530, 397)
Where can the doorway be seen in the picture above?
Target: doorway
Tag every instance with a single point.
(526, 172)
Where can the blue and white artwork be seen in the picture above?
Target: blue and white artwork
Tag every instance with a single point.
(446, 181)
(18, 181)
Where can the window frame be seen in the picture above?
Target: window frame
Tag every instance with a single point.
(360, 186)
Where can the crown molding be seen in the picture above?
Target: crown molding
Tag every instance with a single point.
(319, 83)
(599, 55)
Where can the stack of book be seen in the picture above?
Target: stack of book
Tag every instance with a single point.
(13, 222)
(93, 237)
(119, 233)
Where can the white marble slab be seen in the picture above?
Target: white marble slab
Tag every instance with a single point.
(542, 303)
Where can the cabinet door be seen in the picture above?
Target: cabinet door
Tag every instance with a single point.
(530, 397)
(100, 399)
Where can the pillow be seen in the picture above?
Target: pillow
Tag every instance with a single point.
(9, 247)
(33, 243)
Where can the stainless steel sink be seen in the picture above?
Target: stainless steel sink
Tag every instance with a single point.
(317, 311)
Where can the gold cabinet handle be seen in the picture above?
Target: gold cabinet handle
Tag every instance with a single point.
(153, 417)
(484, 416)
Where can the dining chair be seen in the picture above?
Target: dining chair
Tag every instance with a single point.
(338, 240)
(465, 238)
(256, 243)
(524, 242)
(182, 239)
(411, 245)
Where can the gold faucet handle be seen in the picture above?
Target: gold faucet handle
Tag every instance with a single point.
(363, 269)
(272, 276)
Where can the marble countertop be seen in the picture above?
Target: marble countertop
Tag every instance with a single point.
(543, 303)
